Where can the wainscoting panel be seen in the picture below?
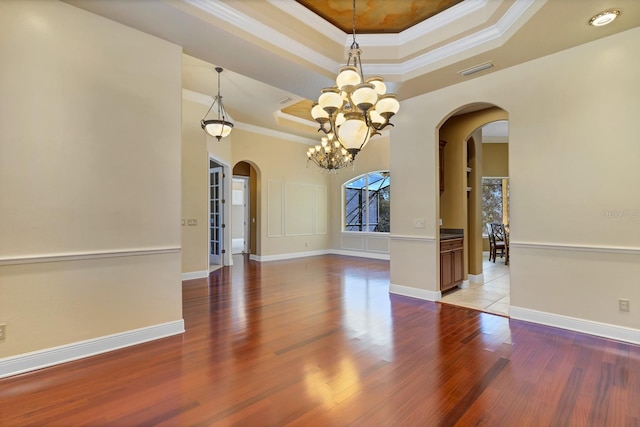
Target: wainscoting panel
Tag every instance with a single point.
(275, 201)
(299, 209)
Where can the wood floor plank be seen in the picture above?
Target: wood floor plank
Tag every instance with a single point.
(319, 341)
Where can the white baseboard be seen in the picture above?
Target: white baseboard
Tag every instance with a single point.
(53, 356)
(361, 254)
(195, 275)
(279, 257)
(464, 284)
(408, 291)
(605, 330)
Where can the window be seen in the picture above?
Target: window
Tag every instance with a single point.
(495, 201)
(367, 203)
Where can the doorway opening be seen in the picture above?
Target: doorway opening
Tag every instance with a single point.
(473, 147)
(240, 215)
(245, 224)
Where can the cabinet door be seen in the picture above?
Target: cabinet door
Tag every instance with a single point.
(458, 266)
(446, 270)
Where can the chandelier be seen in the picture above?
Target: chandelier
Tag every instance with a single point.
(220, 127)
(330, 155)
(354, 109)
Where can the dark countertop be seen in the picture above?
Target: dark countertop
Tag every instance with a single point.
(451, 233)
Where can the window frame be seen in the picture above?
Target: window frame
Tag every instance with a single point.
(367, 201)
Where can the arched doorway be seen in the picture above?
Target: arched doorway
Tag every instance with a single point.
(461, 205)
(247, 173)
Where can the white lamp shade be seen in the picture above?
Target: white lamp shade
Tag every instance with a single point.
(217, 128)
(317, 112)
(340, 119)
(348, 76)
(387, 104)
(354, 132)
(376, 118)
(365, 96)
(378, 83)
(330, 98)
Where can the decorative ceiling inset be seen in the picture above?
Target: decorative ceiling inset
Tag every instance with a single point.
(377, 16)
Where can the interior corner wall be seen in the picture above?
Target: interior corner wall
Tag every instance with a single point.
(573, 168)
(292, 198)
(195, 190)
(89, 181)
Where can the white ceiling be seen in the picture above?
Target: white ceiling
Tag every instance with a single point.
(276, 50)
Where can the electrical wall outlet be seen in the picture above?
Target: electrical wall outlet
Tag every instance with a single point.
(3, 331)
(623, 304)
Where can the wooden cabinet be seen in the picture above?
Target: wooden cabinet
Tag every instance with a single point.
(451, 263)
(441, 164)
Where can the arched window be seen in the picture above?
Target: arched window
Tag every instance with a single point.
(367, 201)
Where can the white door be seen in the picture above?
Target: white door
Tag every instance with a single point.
(216, 218)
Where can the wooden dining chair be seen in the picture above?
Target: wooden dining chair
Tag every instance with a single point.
(497, 234)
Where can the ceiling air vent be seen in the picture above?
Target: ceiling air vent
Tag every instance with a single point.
(476, 68)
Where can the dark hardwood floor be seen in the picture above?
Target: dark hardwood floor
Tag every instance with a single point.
(320, 342)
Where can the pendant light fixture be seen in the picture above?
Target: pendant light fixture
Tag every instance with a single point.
(329, 155)
(354, 109)
(220, 127)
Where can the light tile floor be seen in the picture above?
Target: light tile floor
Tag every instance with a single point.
(492, 296)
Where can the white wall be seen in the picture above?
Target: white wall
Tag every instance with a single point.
(573, 162)
(89, 183)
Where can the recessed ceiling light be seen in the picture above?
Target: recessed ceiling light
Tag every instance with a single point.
(604, 18)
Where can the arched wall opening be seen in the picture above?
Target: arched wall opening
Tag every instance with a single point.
(460, 202)
(251, 172)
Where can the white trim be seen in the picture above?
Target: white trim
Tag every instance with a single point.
(243, 22)
(464, 284)
(412, 238)
(501, 29)
(280, 257)
(362, 254)
(408, 291)
(620, 333)
(476, 278)
(577, 248)
(53, 356)
(75, 256)
(195, 275)
(274, 133)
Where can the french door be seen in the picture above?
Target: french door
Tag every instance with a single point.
(216, 210)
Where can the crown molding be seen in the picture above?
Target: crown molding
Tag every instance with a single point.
(274, 133)
(244, 23)
(497, 32)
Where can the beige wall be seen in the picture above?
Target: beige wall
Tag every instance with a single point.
(195, 190)
(571, 255)
(495, 159)
(293, 198)
(89, 177)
